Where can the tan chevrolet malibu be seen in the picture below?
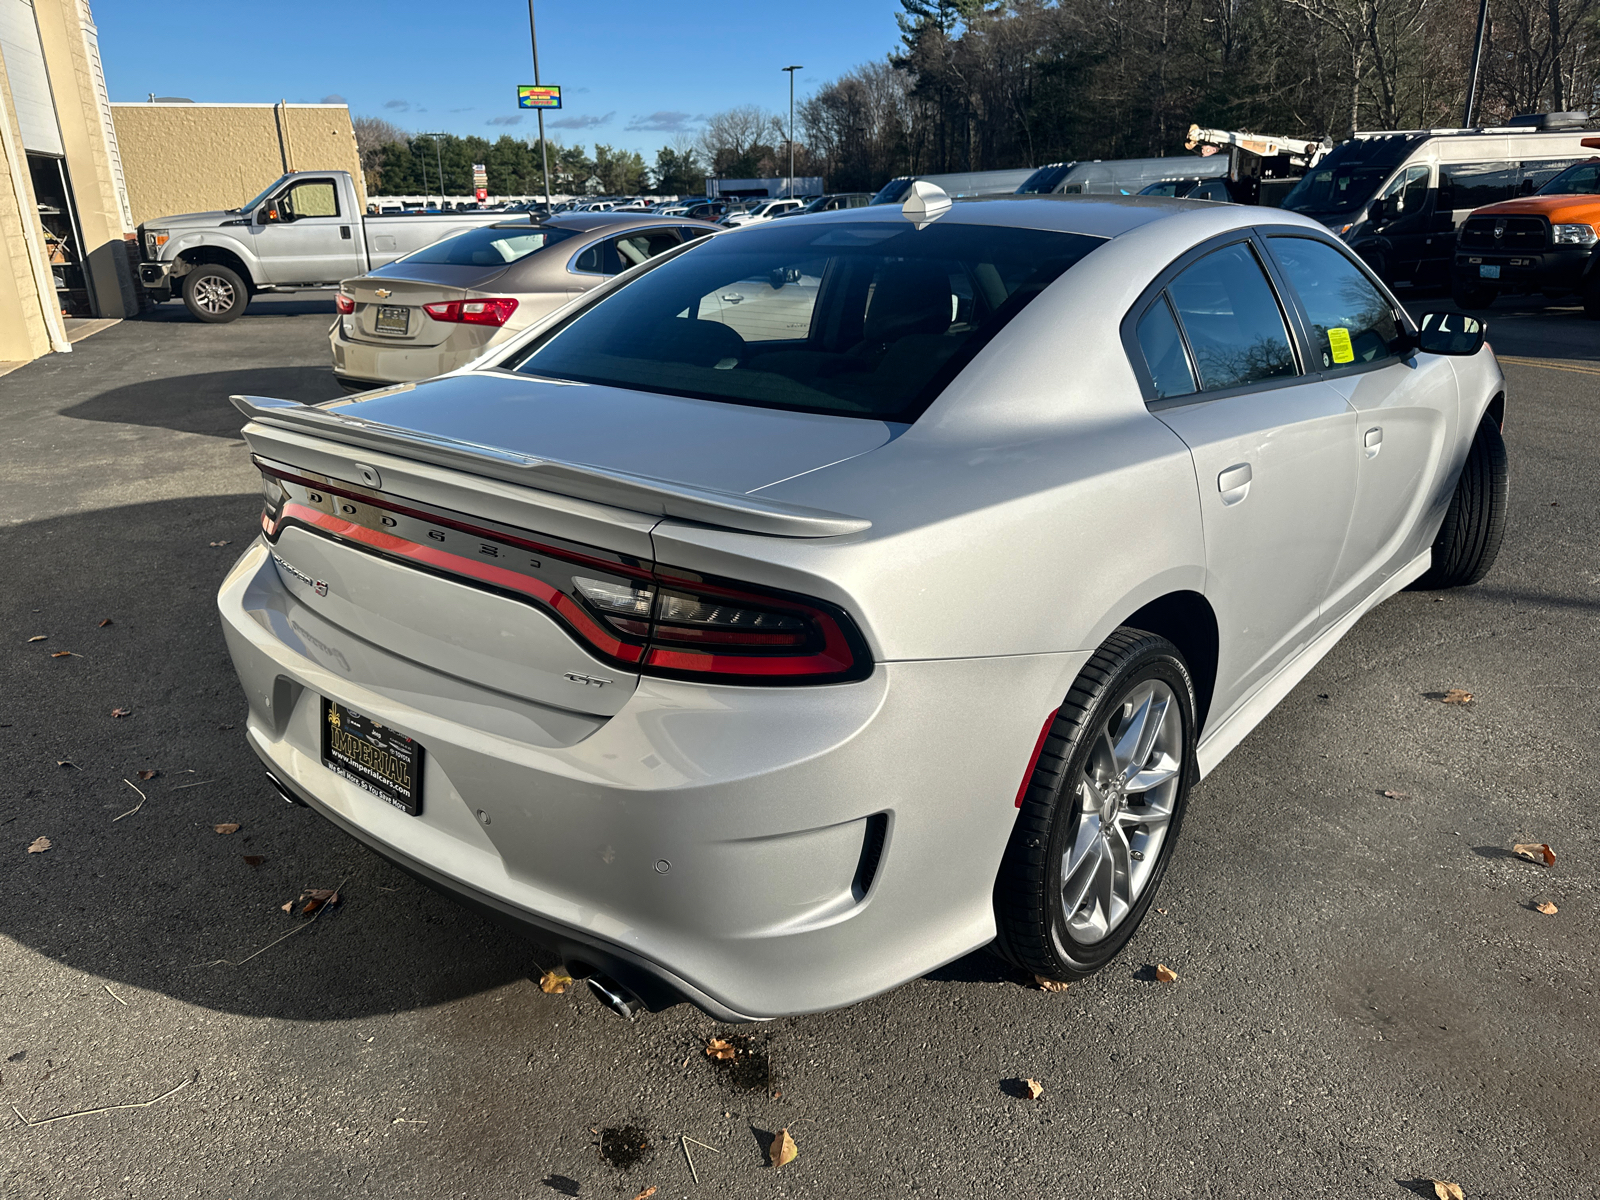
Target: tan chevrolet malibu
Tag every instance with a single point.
(441, 307)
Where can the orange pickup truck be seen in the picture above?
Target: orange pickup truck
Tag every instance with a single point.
(1548, 242)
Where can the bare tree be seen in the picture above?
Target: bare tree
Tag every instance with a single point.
(373, 136)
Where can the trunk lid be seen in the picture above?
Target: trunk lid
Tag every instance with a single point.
(398, 304)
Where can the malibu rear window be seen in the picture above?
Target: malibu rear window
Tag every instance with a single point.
(860, 319)
(490, 246)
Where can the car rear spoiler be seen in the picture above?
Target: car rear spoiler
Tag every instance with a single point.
(638, 493)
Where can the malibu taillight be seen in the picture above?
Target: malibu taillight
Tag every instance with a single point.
(473, 312)
(345, 304)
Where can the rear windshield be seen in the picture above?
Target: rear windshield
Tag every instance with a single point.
(1045, 180)
(865, 319)
(1581, 180)
(489, 246)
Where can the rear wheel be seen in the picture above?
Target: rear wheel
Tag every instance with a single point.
(215, 294)
(1469, 539)
(1471, 295)
(1101, 811)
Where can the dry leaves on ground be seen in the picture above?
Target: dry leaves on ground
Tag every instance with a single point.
(64, 654)
(555, 982)
(1398, 795)
(1534, 851)
(1050, 985)
(720, 1048)
(1547, 908)
(227, 827)
(316, 898)
(39, 845)
(1448, 1191)
(288, 908)
(38, 637)
(1456, 696)
(646, 1194)
(107, 621)
(122, 712)
(148, 773)
(1035, 1088)
(783, 1150)
(1166, 974)
(221, 543)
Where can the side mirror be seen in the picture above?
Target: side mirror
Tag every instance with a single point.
(1450, 333)
(1377, 211)
(264, 215)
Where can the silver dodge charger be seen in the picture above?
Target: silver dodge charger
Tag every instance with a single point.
(815, 604)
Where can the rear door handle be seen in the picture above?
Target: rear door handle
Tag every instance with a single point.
(1234, 483)
(1373, 442)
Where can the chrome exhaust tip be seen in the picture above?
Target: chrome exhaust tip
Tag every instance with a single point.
(284, 793)
(614, 996)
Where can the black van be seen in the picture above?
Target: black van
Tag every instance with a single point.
(1399, 197)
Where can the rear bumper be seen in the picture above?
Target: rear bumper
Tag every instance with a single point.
(377, 365)
(1558, 267)
(707, 842)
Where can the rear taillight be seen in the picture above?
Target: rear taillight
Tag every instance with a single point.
(345, 304)
(473, 312)
(637, 615)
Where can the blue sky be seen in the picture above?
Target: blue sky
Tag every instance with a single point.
(633, 72)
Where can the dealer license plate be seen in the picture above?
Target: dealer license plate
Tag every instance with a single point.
(383, 761)
(1487, 272)
(393, 318)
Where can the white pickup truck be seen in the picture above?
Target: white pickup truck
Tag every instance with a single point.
(306, 230)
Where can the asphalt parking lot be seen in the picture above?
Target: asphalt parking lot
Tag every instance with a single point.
(1367, 997)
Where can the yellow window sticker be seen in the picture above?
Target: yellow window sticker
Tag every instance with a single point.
(1339, 343)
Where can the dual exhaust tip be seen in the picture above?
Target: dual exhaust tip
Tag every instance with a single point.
(606, 989)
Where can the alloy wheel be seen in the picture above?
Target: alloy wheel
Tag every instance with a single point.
(1126, 797)
(214, 295)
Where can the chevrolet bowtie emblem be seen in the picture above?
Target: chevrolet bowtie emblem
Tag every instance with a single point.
(385, 293)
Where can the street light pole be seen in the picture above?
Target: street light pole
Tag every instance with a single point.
(1477, 55)
(438, 159)
(544, 149)
(791, 71)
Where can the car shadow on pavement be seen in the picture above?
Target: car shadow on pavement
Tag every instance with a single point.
(173, 312)
(138, 887)
(199, 403)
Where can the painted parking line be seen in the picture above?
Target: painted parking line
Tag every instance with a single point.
(1579, 368)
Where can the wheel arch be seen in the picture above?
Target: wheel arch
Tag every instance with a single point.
(220, 256)
(1496, 411)
(1187, 620)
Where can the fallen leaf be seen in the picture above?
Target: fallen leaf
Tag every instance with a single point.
(226, 828)
(1035, 1088)
(289, 907)
(1162, 911)
(1456, 696)
(39, 845)
(107, 621)
(555, 982)
(1050, 985)
(720, 1048)
(254, 860)
(1448, 1191)
(1543, 906)
(646, 1194)
(39, 637)
(1398, 795)
(316, 898)
(221, 543)
(1166, 974)
(149, 773)
(67, 762)
(122, 712)
(783, 1150)
(61, 654)
(1534, 851)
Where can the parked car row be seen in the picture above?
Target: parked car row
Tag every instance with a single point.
(667, 628)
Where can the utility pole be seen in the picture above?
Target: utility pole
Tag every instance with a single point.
(438, 160)
(791, 71)
(1477, 56)
(544, 149)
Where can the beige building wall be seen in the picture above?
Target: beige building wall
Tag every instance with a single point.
(66, 31)
(30, 322)
(183, 158)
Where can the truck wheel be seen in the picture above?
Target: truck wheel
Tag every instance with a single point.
(1469, 539)
(1471, 295)
(215, 294)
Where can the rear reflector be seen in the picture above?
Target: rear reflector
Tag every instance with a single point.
(473, 312)
(638, 615)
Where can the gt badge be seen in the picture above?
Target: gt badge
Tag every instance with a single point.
(586, 680)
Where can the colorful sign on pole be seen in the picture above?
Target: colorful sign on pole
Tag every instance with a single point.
(533, 96)
(480, 181)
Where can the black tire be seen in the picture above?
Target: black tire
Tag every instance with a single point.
(215, 294)
(1472, 295)
(1034, 928)
(1475, 522)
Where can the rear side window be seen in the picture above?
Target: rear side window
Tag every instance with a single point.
(1472, 185)
(1232, 319)
(1351, 323)
(1164, 353)
(635, 248)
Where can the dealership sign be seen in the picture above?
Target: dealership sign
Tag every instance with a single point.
(534, 96)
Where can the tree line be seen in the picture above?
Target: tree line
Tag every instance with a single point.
(985, 84)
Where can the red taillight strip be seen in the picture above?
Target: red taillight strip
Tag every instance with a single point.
(572, 556)
(1033, 759)
(568, 608)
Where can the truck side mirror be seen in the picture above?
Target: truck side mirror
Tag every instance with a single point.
(1450, 333)
(1377, 210)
